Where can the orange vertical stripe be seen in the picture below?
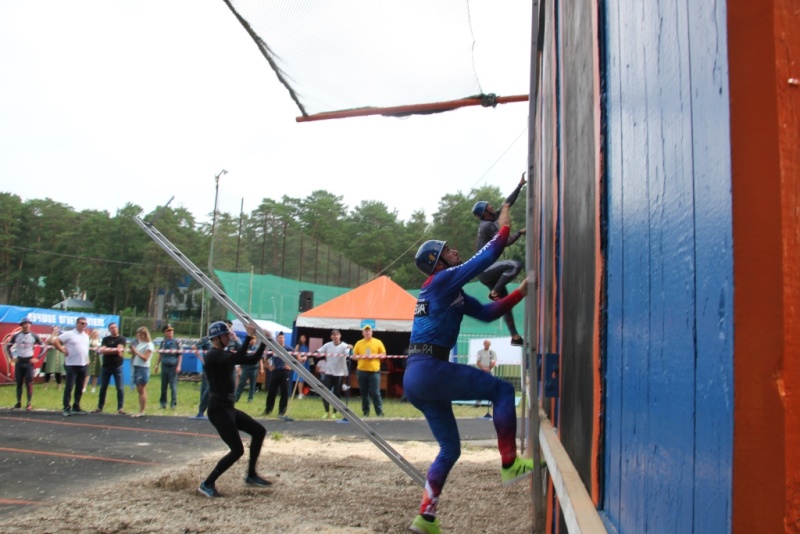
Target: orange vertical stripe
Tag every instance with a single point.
(763, 49)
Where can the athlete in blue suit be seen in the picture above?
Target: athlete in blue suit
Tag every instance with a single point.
(431, 382)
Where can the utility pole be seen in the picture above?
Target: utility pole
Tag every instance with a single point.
(211, 251)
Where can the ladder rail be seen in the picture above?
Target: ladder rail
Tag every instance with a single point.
(281, 352)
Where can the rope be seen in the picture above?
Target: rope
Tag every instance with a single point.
(313, 354)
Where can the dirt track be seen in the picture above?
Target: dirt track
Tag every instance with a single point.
(320, 486)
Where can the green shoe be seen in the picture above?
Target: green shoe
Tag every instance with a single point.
(520, 468)
(421, 526)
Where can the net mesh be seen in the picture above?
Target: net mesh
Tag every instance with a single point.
(344, 54)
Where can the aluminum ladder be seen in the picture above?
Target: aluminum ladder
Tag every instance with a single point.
(278, 350)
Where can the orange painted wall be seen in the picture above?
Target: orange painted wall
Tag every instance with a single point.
(764, 57)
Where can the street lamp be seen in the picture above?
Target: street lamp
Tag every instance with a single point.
(211, 251)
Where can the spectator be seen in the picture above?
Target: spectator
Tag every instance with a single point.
(170, 356)
(369, 370)
(301, 355)
(249, 375)
(95, 367)
(142, 351)
(200, 350)
(22, 349)
(486, 361)
(278, 380)
(487, 358)
(54, 360)
(319, 368)
(335, 368)
(112, 347)
(233, 344)
(74, 344)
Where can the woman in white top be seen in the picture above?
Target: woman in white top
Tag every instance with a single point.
(142, 351)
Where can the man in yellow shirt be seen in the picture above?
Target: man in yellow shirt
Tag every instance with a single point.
(369, 370)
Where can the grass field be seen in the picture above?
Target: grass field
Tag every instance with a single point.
(48, 397)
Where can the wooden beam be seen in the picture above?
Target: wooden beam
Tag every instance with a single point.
(415, 109)
(577, 507)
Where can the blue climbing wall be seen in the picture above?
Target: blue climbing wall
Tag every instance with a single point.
(669, 339)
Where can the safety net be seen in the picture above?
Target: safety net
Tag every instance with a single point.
(376, 56)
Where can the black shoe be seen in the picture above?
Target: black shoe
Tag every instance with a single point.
(255, 480)
(517, 341)
(266, 413)
(17, 406)
(78, 411)
(66, 412)
(208, 491)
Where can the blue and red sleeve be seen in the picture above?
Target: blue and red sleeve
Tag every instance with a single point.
(492, 310)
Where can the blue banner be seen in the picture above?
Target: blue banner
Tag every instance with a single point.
(48, 317)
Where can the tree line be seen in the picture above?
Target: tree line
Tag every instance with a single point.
(47, 247)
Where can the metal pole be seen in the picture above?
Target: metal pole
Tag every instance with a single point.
(283, 249)
(300, 271)
(250, 302)
(213, 226)
(264, 243)
(239, 239)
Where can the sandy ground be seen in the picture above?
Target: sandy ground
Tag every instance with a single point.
(320, 486)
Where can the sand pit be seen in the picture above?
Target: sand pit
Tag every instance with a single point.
(320, 486)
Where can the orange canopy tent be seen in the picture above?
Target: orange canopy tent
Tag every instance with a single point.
(381, 303)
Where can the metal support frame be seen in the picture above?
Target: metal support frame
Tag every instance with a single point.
(277, 349)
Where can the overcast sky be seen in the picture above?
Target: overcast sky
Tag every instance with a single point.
(104, 102)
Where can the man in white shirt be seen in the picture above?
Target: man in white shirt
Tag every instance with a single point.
(336, 370)
(487, 360)
(75, 346)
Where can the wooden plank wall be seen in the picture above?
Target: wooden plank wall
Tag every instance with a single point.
(669, 345)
